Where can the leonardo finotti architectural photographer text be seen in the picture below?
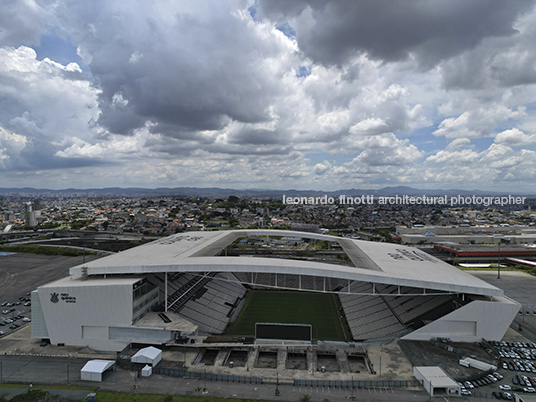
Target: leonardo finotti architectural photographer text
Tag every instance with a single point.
(452, 201)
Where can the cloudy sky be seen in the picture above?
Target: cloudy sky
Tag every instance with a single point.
(304, 94)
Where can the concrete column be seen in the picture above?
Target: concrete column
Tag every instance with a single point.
(165, 284)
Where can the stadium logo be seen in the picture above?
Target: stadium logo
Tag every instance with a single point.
(54, 297)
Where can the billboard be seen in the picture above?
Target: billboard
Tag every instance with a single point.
(291, 332)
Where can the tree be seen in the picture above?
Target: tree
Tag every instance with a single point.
(305, 398)
(233, 199)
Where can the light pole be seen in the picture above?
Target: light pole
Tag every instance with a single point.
(380, 366)
(84, 247)
(499, 261)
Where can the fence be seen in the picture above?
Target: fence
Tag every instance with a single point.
(183, 373)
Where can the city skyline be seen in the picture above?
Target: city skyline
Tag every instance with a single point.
(306, 95)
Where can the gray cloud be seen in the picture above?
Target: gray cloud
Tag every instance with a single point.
(433, 30)
(21, 22)
(190, 68)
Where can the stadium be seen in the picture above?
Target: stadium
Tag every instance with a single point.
(267, 285)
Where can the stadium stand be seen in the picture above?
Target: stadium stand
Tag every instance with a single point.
(369, 316)
(207, 300)
(408, 308)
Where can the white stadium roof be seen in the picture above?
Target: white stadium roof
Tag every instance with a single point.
(374, 262)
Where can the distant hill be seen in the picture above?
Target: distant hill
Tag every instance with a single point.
(226, 192)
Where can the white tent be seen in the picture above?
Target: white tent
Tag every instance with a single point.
(93, 369)
(146, 371)
(149, 355)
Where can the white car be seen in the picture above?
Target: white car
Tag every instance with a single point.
(529, 389)
(505, 387)
(468, 385)
(465, 392)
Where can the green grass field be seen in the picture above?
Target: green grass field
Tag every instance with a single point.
(122, 397)
(317, 309)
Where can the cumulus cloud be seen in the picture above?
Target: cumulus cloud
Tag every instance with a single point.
(465, 156)
(457, 143)
(322, 168)
(44, 102)
(515, 137)
(11, 145)
(397, 156)
(371, 125)
(477, 123)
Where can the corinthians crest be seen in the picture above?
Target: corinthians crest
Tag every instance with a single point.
(54, 297)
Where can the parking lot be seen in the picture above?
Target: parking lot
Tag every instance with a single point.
(14, 314)
(19, 275)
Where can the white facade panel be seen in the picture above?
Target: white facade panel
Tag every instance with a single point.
(39, 325)
(94, 332)
(68, 309)
(472, 322)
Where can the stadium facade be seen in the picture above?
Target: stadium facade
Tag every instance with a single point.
(190, 283)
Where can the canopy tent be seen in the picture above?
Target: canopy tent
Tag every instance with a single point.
(93, 369)
(149, 355)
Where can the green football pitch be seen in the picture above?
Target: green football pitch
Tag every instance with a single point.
(320, 310)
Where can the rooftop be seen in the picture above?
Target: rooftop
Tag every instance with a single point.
(374, 261)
